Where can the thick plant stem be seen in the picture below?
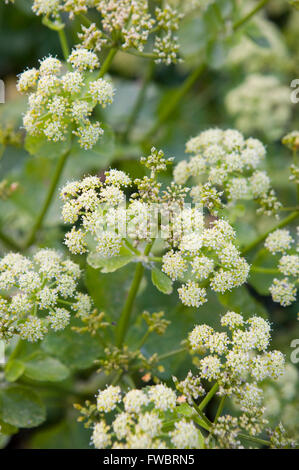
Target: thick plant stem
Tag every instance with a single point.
(189, 82)
(172, 104)
(125, 315)
(139, 101)
(262, 237)
(107, 62)
(220, 408)
(244, 20)
(59, 168)
(208, 397)
(255, 440)
(64, 44)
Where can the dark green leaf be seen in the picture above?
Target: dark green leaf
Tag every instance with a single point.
(161, 281)
(13, 370)
(21, 407)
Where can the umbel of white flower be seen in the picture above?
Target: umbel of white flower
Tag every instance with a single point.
(225, 168)
(284, 290)
(195, 252)
(62, 103)
(39, 294)
(237, 360)
(131, 21)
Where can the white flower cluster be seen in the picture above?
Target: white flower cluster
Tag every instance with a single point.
(63, 103)
(237, 361)
(284, 290)
(130, 22)
(138, 420)
(260, 103)
(99, 206)
(38, 294)
(230, 163)
(206, 255)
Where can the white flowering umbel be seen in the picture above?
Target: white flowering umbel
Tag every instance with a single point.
(138, 420)
(131, 23)
(260, 103)
(284, 290)
(196, 254)
(226, 167)
(239, 359)
(60, 104)
(39, 294)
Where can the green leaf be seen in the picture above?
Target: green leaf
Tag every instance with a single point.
(13, 370)
(109, 265)
(7, 429)
(256, 35)
(21, 407)
(40, 146)
(77, 351)
(241, 301)
(161, 281)
(185, 409)
(44, 368)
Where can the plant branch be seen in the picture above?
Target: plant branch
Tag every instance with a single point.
(39, 221)
(173, 103)
(262, 237)
(64, 44)
(125, 315)
(139, 101)
(107, 62)
(246, 18)
(170, 354)
(255, 440)
(208, 397)
(220, 408)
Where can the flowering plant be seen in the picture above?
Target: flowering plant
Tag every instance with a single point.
(150, 295)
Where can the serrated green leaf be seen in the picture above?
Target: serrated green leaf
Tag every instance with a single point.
(21, 407)
(44, 368)
(13, 370)
(109, 265)
(161, 281)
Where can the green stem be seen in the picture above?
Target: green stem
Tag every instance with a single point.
(208, 397)
(262, 237)
(246, 18)
(220, 408)
(139, 101)
(202, 415)
(143, 340)
(170, 354)
(125, 315)
(256, 440)
(260, 269)
(296, 163)
(173, 103)
(64, 44)
(107, 62)
(39, 221)
(11, 244)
